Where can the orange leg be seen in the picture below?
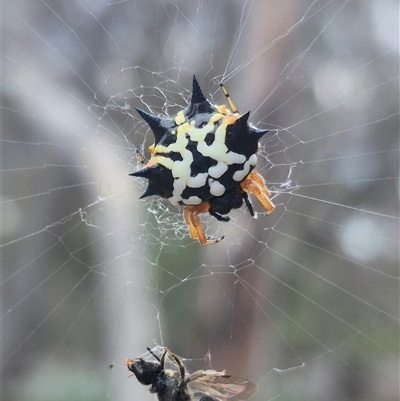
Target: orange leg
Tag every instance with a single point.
(191, 214)
(255, 184)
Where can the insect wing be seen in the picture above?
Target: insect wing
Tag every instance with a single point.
(223, 387)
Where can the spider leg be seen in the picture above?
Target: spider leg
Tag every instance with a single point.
(229, 99)
(255, 184)
(191, 214)
(140, 157)
(248, 203)
(218, 216)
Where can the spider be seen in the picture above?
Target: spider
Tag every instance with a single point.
(175, 384)
(203, 158)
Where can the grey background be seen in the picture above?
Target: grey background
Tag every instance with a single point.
(304, 302)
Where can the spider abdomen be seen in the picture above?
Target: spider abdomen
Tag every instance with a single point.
(199, 153)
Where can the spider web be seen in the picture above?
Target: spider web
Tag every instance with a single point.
(304, 302)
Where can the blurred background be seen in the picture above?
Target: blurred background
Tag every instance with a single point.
(305, 302)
